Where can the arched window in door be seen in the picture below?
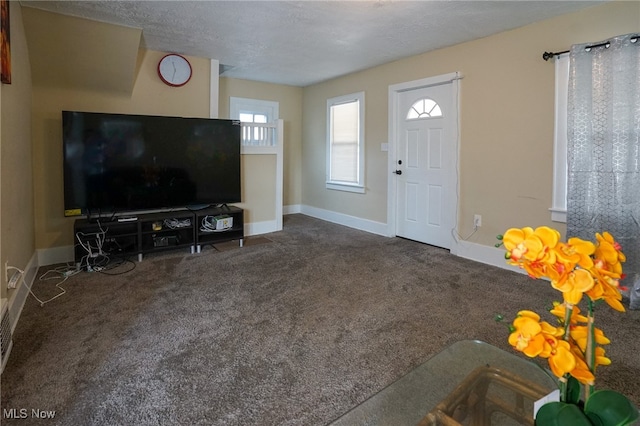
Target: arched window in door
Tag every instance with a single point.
(424, 108)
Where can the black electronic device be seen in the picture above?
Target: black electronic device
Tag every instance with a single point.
(119, 163)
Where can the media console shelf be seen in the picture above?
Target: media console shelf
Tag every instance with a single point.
(163, 231)
(206, 232)
(154, 232)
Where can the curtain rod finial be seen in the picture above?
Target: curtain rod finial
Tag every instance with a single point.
(547, 55)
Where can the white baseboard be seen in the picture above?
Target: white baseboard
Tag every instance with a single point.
(55, 255)
(367, 225)
(488, 255)
(258, 228)
(18, 296)
(292, 209)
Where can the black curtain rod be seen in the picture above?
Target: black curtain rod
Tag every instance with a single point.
(548, 55)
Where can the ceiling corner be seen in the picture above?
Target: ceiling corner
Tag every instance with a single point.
(67, 52)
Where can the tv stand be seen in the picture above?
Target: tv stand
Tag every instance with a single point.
(142, 234)
(206, 234)
(127, 219)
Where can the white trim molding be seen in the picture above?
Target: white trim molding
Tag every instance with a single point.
(55, 255)
(292, 209)
(357, 185)
(18, 296)
(394, 97)
(559, 208)
(378, 228)
(214, 88)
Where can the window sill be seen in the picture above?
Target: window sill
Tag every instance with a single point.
(558, 215)
(345, 187)
(258, 150)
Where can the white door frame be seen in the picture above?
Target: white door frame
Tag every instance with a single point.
(394, 95)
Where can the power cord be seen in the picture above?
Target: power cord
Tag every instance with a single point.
(177, 223)
(454, 232)
(458, 237)
(62, 273)
(96, 259)
(97, 238)
(208, 224)
(116, 264)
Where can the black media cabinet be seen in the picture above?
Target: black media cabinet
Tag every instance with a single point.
(154, 232)
(206, 235)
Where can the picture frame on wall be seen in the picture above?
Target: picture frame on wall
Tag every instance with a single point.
(5, 43)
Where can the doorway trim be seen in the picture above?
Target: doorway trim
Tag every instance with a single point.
(394, 94)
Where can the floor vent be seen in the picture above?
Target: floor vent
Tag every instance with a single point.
(6, 340)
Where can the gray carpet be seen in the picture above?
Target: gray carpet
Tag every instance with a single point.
(295, 330)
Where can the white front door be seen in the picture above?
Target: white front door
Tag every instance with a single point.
(425, 164)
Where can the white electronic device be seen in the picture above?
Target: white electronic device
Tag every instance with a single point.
(223, 222)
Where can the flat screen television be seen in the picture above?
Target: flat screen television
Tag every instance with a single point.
(121, 163)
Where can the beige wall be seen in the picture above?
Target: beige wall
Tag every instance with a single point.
(16, 182)
(149, 96)
(290, 109)
(506, 121)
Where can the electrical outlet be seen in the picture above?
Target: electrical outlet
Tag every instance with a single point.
(13, 281)
(477, 221)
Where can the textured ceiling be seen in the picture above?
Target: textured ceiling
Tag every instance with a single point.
(305, 42)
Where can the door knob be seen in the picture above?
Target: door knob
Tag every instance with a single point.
(398, 172)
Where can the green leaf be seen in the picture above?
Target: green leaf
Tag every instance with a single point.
(609, 408)
(574, 390)
(561, 414)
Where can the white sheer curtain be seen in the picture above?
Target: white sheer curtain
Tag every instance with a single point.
(603, 148)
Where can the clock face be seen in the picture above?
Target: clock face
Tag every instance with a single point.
(174, 70)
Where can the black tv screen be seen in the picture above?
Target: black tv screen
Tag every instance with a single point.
(119, 163)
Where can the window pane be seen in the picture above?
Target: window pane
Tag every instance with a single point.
(345, 139)
(259, 118)
(246, 118)
(344, 160)
(424, 108)
(345, 122)
(344, 142)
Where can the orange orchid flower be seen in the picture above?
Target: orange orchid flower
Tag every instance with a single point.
(580, 334)
(581, 371)
(575, 284)
(610, 252)
(575, 252)
(575, 268)
(559, 310)
(529, 244)
(561, 359)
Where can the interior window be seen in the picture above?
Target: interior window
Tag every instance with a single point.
(254, 113)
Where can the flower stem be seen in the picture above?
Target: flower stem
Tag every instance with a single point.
(567, 320)
(591, 347)
(562, 387)
(567, 330)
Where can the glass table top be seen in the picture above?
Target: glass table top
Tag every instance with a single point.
(409, 399)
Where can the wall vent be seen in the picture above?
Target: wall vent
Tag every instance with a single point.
(6, 341)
